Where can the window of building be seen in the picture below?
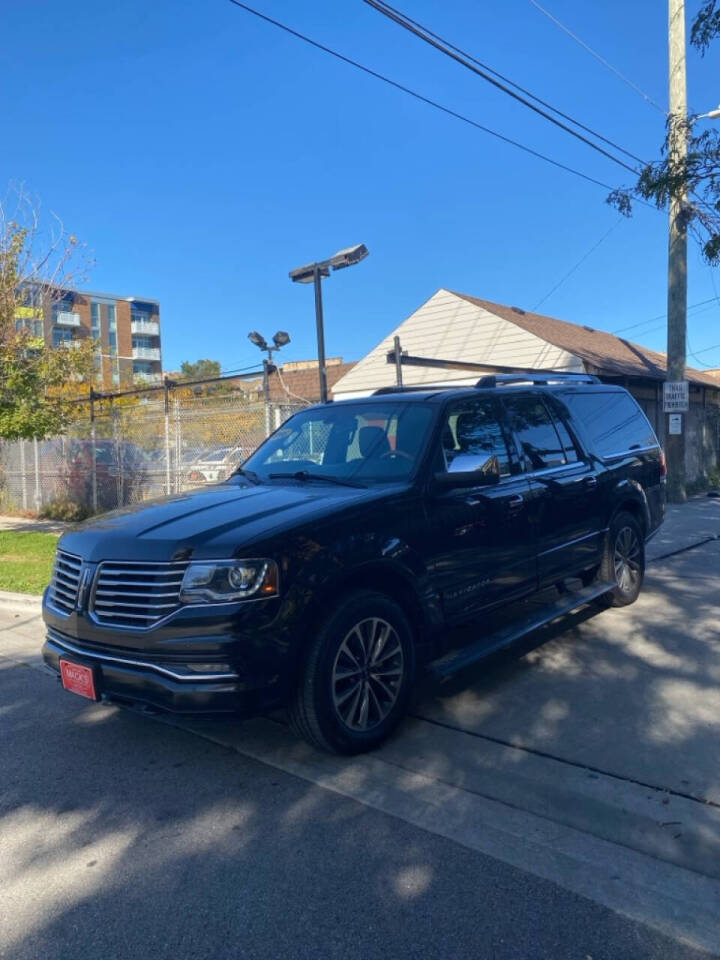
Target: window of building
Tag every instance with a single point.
(95, 321)
(112, 341)
(64, 305)
(61, 335)
(613, 420)
(473, 440)
(536, 432)
(141, 341)
(33, 325)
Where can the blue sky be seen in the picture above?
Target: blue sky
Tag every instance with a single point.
(201, 154)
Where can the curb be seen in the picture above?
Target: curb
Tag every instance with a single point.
(20, 601)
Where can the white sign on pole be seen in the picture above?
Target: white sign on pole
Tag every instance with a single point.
(676, 396)
(675, 425)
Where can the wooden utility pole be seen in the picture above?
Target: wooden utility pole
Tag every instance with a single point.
(677, 247)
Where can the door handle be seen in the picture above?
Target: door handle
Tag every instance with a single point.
(515, 501)
(589, 482)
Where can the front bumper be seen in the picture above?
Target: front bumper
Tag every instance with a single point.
(166, 684)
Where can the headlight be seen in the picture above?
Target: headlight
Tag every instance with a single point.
(226, 581)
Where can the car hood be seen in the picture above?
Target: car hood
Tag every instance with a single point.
(212, 522)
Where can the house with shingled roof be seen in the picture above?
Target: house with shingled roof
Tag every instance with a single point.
(459, 328)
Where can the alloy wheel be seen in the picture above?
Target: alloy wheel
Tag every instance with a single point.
(627, 559)
(367, 674)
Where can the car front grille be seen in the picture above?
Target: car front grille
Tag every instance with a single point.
(64, 582)
(136, 595)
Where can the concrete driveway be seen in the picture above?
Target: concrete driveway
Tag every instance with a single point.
(562, 803)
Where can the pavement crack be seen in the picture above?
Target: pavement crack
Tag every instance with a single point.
(693, 546)
(543, 754)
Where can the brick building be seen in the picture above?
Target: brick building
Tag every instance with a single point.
(126, 331)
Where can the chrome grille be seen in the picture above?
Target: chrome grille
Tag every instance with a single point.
(129, 594)
(64, 582)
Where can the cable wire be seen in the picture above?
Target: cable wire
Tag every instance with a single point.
(582, 260)
(517, 86)
(462, 59)
(662, 316)
(419, 96)
(602, 60)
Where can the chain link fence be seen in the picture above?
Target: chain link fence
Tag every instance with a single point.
(127, 453)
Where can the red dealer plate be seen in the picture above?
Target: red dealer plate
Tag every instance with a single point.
(78, 679)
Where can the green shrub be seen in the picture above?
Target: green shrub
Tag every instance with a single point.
(64, 509)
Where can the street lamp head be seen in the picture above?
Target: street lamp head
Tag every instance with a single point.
(306, 274)
(281, 339)
(258, 340)
(343, 258)
(348, 256)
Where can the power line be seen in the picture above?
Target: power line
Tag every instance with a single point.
(601, 59)
(582, 260)
(419, 96)
(443, 47)
(715, 346)
(662, 316)
(512, 83)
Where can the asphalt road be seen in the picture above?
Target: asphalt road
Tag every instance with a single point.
(124, 838)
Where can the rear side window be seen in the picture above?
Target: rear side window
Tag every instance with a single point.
(613, 421)
(536, 433)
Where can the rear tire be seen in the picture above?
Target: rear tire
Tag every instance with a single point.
(623, 561)
(356, 678)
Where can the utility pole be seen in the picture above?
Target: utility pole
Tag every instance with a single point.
(677, 246)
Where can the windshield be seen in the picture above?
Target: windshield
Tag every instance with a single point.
(361, 442)
(217, 454)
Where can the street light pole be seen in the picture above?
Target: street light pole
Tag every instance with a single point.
(314, 273)
(280, 339)
(677, 245)
(320, 326)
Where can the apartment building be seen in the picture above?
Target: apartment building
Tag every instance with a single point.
(126, 331)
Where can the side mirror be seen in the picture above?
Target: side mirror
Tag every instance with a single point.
(465, 478)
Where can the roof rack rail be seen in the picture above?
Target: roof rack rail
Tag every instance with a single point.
(410, 388)
(540, 377)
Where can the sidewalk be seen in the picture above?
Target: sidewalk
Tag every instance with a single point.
(686, 524)
(25, 525)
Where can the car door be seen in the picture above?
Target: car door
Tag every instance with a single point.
(564, 487)
(481, 548)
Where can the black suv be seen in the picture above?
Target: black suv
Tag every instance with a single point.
(329, 566)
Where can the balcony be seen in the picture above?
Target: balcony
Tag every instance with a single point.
(64, 318)
(152, 378)
(146, 353)
(151, 328)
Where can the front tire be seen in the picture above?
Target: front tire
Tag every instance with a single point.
(357, 675)
(623, 561)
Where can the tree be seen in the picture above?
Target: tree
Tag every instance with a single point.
(35, 267)
(697, 176)
(200, 370)
(706, 26)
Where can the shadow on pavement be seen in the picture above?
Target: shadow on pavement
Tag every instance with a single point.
(125, 838)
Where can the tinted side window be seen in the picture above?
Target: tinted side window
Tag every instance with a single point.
(569, 447)
(613, 420)
(472, 439)
(536, 432)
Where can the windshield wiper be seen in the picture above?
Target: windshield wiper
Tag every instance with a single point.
(306, 475)
(249, 474)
